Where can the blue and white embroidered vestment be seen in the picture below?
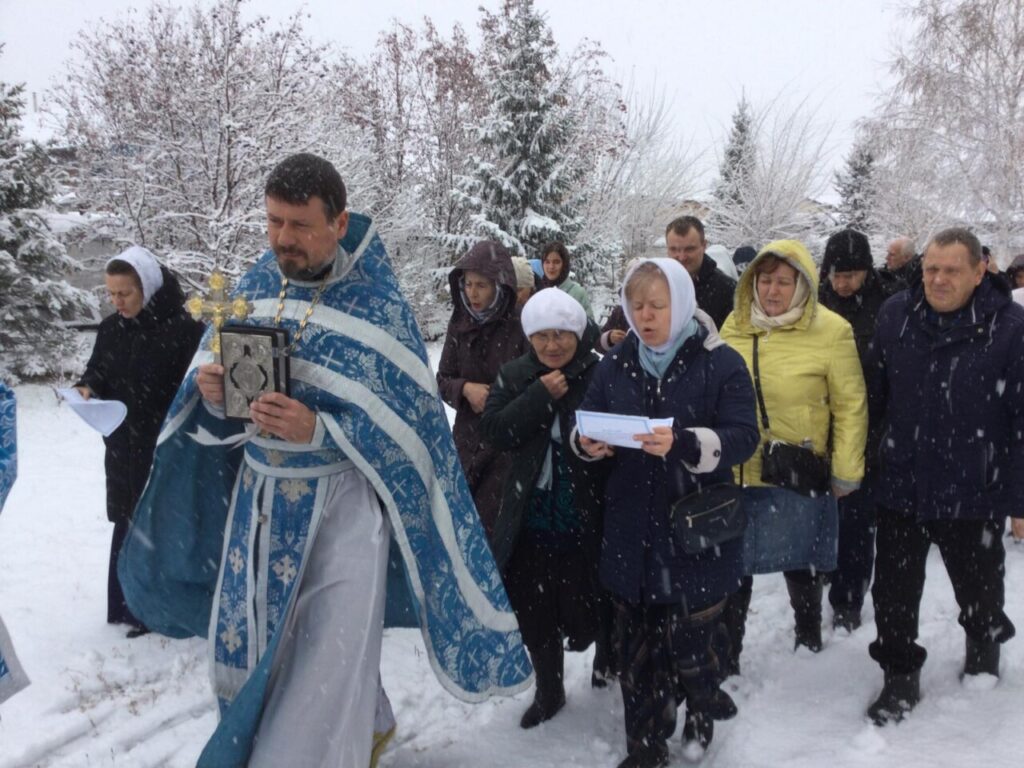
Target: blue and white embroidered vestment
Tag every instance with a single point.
(361, 365)
(12, 677)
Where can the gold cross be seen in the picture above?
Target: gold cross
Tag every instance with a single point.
(217, 307)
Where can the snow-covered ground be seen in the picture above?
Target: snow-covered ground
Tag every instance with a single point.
(98, 699)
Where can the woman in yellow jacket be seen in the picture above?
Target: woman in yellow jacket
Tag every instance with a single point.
(811, 396)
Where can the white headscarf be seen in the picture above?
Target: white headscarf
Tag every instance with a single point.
(146, 267)
(552, 309)
(681, 291)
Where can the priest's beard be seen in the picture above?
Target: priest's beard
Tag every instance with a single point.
(294, 270)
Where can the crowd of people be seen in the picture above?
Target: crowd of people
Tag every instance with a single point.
(851, 416)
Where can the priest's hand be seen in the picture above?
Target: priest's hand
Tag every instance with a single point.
(210, 380)
(283, 417)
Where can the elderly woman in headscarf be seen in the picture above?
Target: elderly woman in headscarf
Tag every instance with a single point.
(668, 602)
(483, 334)
(141, 354)
(547, 533)
(813, 414)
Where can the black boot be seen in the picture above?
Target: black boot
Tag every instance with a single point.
(734, 625)
(805, 597)
(698, 730)
(652, 756)
(846, 617)
(721, 706)
(899, 695)
(981, 658)
(604, 669)
(550, 694)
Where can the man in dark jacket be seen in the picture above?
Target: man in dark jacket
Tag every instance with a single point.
(685, 242)
(901, 263)
(853, 289)
(946, 373)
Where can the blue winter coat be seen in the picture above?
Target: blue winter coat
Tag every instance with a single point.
(952, 400)
(701, 388)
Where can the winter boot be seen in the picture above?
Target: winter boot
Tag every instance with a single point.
(899, 695)
(604, 668)
(721, 706)
(550, 694)
(846, 617)
(805, 597)
(698, 730)
(734, 624)
(981, 658)
(651, 756)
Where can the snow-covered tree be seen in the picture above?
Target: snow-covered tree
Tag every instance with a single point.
(854, 183)
(524, 184)
(636, 189)
(771, 171)
(951, 131)
(177, 116)
(739, 156)
(35, 300)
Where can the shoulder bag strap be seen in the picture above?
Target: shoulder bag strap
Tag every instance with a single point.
(757, 389)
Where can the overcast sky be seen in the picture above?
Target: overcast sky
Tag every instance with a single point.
(702, 55)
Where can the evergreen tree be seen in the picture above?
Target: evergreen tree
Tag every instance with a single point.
(739, 157)
(854, 185)
(522, 189)
(34, 300)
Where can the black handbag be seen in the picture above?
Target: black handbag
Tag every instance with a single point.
(786, 465)
(709, 517)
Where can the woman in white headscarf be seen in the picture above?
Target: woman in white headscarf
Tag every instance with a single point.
(667, 602)
(140, 357)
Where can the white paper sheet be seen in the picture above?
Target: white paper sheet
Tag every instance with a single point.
(616, 428)
(102, 415)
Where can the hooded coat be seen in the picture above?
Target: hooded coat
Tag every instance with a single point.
(141, 362)
(474, 352)
(705, 386)
(951, 399)
(811, 375)
(1015, 269)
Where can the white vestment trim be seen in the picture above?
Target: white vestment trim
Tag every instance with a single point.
(357, 329)
(405, 436)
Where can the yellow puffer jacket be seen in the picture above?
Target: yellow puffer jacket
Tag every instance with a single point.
(810, 374)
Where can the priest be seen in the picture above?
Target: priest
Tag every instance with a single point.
(271, 537)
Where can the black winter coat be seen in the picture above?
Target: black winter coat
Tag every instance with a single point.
(475, 352)
(702, 387)
(952, 399)
(141, 362)
(861, 312)
(518, 419)
(715, 291)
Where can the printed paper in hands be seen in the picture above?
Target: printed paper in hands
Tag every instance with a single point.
(102, 415)
(615, 428)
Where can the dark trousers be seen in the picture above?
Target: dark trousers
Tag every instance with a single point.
(117, 608)
(852, 575)
(550, 582)
(972, 551)
(666, 657)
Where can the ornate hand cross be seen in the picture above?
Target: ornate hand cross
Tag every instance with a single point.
(217, 307)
